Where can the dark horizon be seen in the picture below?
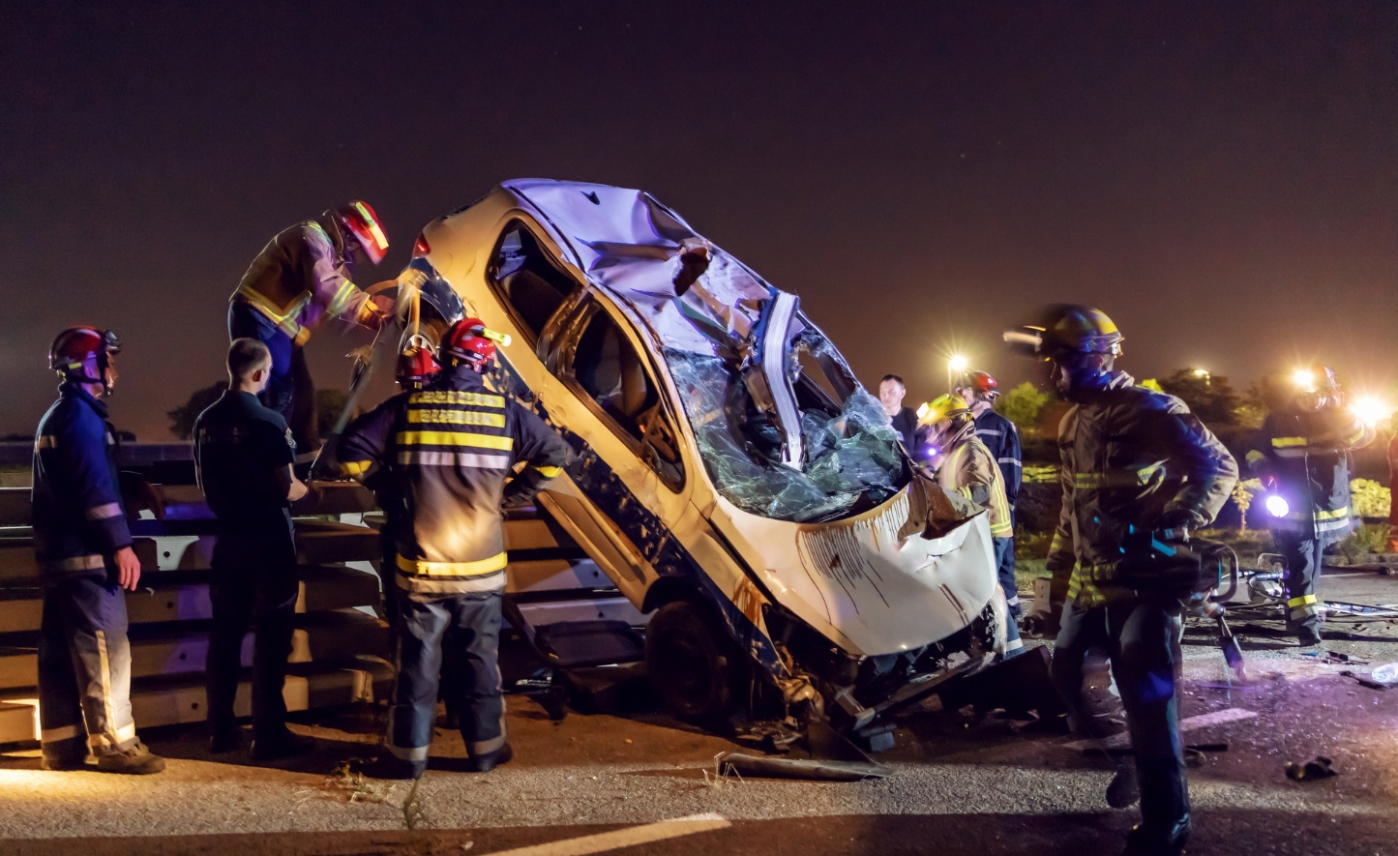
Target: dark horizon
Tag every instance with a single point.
(1220, 180)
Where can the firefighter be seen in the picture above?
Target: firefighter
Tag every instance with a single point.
(446, 452)
(303, 276)
(243, 454)
(82, 545)
(904, 419)
(1301, 454)
(999, 435)
(965, 466)
(1132, 460)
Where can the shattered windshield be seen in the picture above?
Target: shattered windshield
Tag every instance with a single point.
(850, 453)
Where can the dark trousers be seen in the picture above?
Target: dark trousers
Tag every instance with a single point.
(290, 390)
(1142, 637)
(254, 584)
(470, 624)
(84, 669)
(1303, 562)
(1005, 563)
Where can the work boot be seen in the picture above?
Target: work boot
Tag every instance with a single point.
(225, 741)
(64, 763)
(279, 746)
(1147, 841)
(136, 761)
(1308, 635)
(389, 767)
(490, 760)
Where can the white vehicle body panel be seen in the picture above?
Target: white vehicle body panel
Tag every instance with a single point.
(852, 580)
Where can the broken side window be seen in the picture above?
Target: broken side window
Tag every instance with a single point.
(527, 281)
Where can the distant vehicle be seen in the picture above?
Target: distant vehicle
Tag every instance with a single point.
(728, 472)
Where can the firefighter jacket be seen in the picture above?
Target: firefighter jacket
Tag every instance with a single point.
(1130, 457)
(445, 452)
(1001, 438)
(302, 276)
(969, 469)
(79, 521)
(1307, 453)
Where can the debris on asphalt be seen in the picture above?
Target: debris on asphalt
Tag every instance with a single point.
(787, 768)
(1208, 747)
(1363, 682)
(1320, 768)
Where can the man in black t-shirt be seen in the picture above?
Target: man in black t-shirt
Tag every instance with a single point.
(243, 454)
(904, 419)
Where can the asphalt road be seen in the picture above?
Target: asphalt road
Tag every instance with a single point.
(960, 784)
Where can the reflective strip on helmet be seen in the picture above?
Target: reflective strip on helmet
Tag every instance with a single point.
(457, 417)
(453, 569)
(549, 472)
(104, 512)
(1287, 442)
(454, 459)
(452, 396)
(454, 438)
(355, 468)
(372, 224)
(90, 562)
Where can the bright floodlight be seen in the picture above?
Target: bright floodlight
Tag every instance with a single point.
(1304, 380)
(1201, 372)
(1277, 506)
(958, 363)
(1371, 409)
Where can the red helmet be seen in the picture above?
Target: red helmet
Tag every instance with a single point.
(72, 348)
(981, 382)
(361, 221)
(415, 365)
(469, 340)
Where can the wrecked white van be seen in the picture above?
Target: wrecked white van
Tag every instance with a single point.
(727, 470)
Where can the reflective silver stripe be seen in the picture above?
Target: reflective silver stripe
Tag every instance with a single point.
(1013, 645)
(1014, 601)
(1014, 461)
(988, 432)
(409, 753)
(102, 741)
(56, 735)
(1331, 525)
(91, 562)
(485, 747)
(455, 459)
(104, 512)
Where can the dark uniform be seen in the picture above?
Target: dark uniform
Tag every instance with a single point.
(447, 451)
(1307, 453)
(79, 524)
(905, 423)
(1001, 439)
(239, 446)
(1132, 457)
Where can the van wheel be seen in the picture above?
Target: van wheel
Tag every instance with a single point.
(691, 662)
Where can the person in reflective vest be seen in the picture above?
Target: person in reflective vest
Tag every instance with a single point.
(447, 452)
(1301, 455)
(83, 547)
(1000, 437)
(965, 466)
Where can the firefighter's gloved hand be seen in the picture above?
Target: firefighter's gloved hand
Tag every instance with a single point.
(377, 309)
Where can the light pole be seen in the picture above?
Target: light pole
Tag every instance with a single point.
(955, 366)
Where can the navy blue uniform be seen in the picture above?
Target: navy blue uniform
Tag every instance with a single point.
(1001, 438)
(79, 524)
(239, 446)
(445, 453)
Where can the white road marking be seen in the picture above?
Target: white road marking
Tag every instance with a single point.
(629, 837)
(1190, 723)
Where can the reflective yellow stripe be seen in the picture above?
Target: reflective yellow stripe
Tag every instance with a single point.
(1303, 600)
(1058, 543)
(355, 468)
(453, 569)
(1287, 442)
(1355, 438)
(454, 438)
(341, 299)
(1001, 530)
(1337, 514)
(283, 320)
(457, 417)
(1254, 456)
(549, 472)
(452, 396)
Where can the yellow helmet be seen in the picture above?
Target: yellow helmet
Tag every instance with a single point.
(942, 407)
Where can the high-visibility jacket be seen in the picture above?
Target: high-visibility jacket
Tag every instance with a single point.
(968, 468)
(1130, 455)
(442, 454)
(303, 276)
(1001, 438)
(1307, 453)
(79, 521)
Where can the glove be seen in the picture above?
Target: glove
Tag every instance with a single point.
(1174, 525)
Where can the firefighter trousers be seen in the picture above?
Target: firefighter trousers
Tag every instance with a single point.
(1141, 634)
(1005, 563)
(254, 584)
(1303, 562)
(84, 670)
(470, 624)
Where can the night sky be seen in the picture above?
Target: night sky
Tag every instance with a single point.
(1219, 178)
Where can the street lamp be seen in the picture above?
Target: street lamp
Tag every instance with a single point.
(955, 366)
(1203, 374)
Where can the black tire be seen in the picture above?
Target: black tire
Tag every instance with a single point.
(693, 665)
